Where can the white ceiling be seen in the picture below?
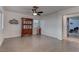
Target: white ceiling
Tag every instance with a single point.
(28, 9)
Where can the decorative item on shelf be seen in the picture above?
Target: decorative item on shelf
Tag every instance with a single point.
(13, 21)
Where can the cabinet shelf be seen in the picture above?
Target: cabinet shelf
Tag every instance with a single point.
(27, 24)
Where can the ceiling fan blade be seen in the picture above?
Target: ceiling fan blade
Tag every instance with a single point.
(34, 10)
(40, 12)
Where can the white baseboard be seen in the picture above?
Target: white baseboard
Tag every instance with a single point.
(51, 36)
(12, 36)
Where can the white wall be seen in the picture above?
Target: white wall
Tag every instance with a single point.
(52, 24)
(14, 30)
(1, 25)
(1, 36)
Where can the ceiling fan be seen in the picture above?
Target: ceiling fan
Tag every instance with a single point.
(35, 12)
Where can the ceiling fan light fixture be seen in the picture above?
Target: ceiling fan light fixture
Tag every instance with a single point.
(34, 10)
(34, 14)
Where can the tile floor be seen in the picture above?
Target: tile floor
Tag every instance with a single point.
(38, 44)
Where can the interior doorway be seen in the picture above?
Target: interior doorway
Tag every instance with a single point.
(71, 27)
(36, 27)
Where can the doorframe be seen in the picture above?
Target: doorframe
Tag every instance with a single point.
(64, 24)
